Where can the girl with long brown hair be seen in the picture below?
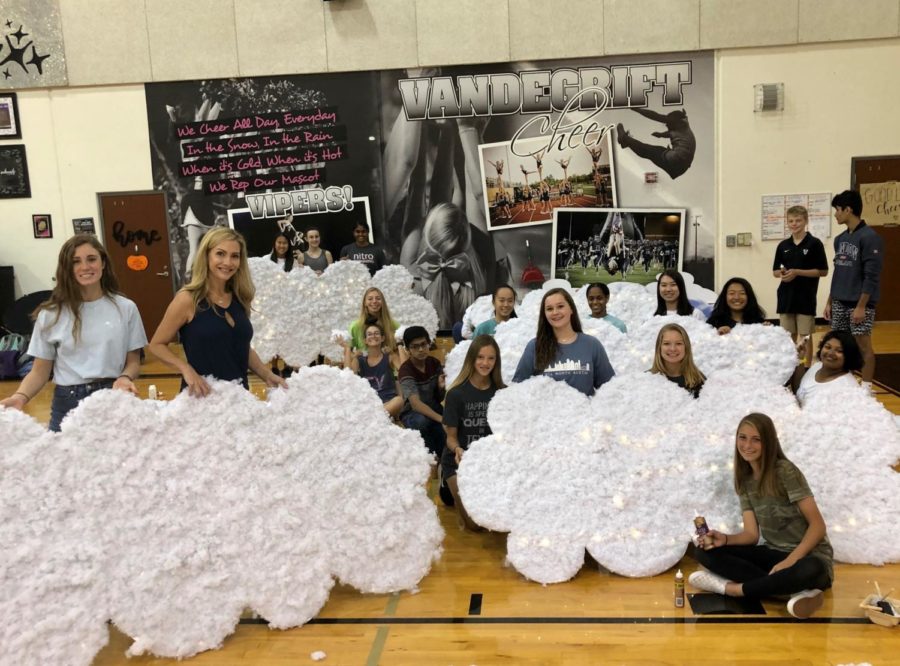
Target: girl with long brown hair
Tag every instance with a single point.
(561, 351)
(796, 556)
(87, 334)
(465, 411)
(211, 317)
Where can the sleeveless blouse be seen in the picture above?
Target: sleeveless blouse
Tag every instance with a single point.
(380, 376)
(213, 347)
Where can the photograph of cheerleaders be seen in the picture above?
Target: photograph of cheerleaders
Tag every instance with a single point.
(523, 190)
(617, 244)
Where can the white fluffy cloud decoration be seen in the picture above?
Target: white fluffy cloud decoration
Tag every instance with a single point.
(296, 313)
(758, 350)
(176, 516)
(623, 473)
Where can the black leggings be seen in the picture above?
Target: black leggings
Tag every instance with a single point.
(750, 565)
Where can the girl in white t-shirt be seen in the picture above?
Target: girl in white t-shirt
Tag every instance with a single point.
(671, 297)
(838, 357)
(281, 253)
(87, 334)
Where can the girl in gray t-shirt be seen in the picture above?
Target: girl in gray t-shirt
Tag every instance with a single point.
(561, 351)
(87, 334)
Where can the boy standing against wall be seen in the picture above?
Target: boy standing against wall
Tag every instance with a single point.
(799, 263)
(858, 258)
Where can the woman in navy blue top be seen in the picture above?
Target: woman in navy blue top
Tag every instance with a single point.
(211, 316)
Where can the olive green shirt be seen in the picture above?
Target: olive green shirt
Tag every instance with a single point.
(781, 523)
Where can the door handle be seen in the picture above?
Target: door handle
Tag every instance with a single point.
(163, 274)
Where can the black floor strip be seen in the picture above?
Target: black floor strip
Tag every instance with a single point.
(475, 604)
(706, 619)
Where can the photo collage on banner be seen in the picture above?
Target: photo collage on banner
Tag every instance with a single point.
(467, 173)
(612, 245)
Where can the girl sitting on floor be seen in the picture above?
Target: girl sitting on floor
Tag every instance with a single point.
(796, 557)
(377, 367)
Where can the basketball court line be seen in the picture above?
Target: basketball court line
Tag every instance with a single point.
(479, 619)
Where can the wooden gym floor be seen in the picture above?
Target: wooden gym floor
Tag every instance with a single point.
(473, 610)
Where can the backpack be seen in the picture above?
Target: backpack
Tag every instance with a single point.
(12, 355)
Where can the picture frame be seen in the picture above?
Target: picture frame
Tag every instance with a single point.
(14, 183)
(584, 178)
(84, 225)
(616, 244)
(43, 225)
(10, 128)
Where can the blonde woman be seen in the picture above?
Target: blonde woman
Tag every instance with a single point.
(211, 317)
(674, 359)
(373, 310)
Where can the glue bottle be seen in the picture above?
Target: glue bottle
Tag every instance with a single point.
(702, 530)
(151, 392)
(679, 589)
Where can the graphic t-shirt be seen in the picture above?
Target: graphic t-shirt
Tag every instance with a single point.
(371, 255)
(582, 364)
(466, 410)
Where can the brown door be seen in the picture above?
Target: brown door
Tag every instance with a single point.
(136, 236)
(883, 170)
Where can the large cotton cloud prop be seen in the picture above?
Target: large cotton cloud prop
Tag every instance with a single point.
(296, 314)
(172, 518)
(757, 350)
(622, 474)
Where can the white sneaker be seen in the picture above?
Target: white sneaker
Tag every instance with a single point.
(803, 604)
(708, 581)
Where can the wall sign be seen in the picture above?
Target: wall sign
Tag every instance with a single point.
(14, 182)
(774, 207)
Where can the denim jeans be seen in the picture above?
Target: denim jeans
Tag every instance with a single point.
(432, 431)
(66, 398)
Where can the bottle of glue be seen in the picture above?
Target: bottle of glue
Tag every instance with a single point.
(679, 589)
(152, 392)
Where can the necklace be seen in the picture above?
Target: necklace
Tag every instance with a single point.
(218, 300)
(568, 340)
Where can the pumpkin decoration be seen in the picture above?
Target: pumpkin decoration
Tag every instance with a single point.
(137, 262)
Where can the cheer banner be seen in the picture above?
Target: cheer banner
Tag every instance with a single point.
(460, 169)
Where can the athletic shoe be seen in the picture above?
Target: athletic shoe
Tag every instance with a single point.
(708, 582)
(803, 604)
(621, 135)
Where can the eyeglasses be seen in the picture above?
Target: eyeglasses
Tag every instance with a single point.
(419, 346)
